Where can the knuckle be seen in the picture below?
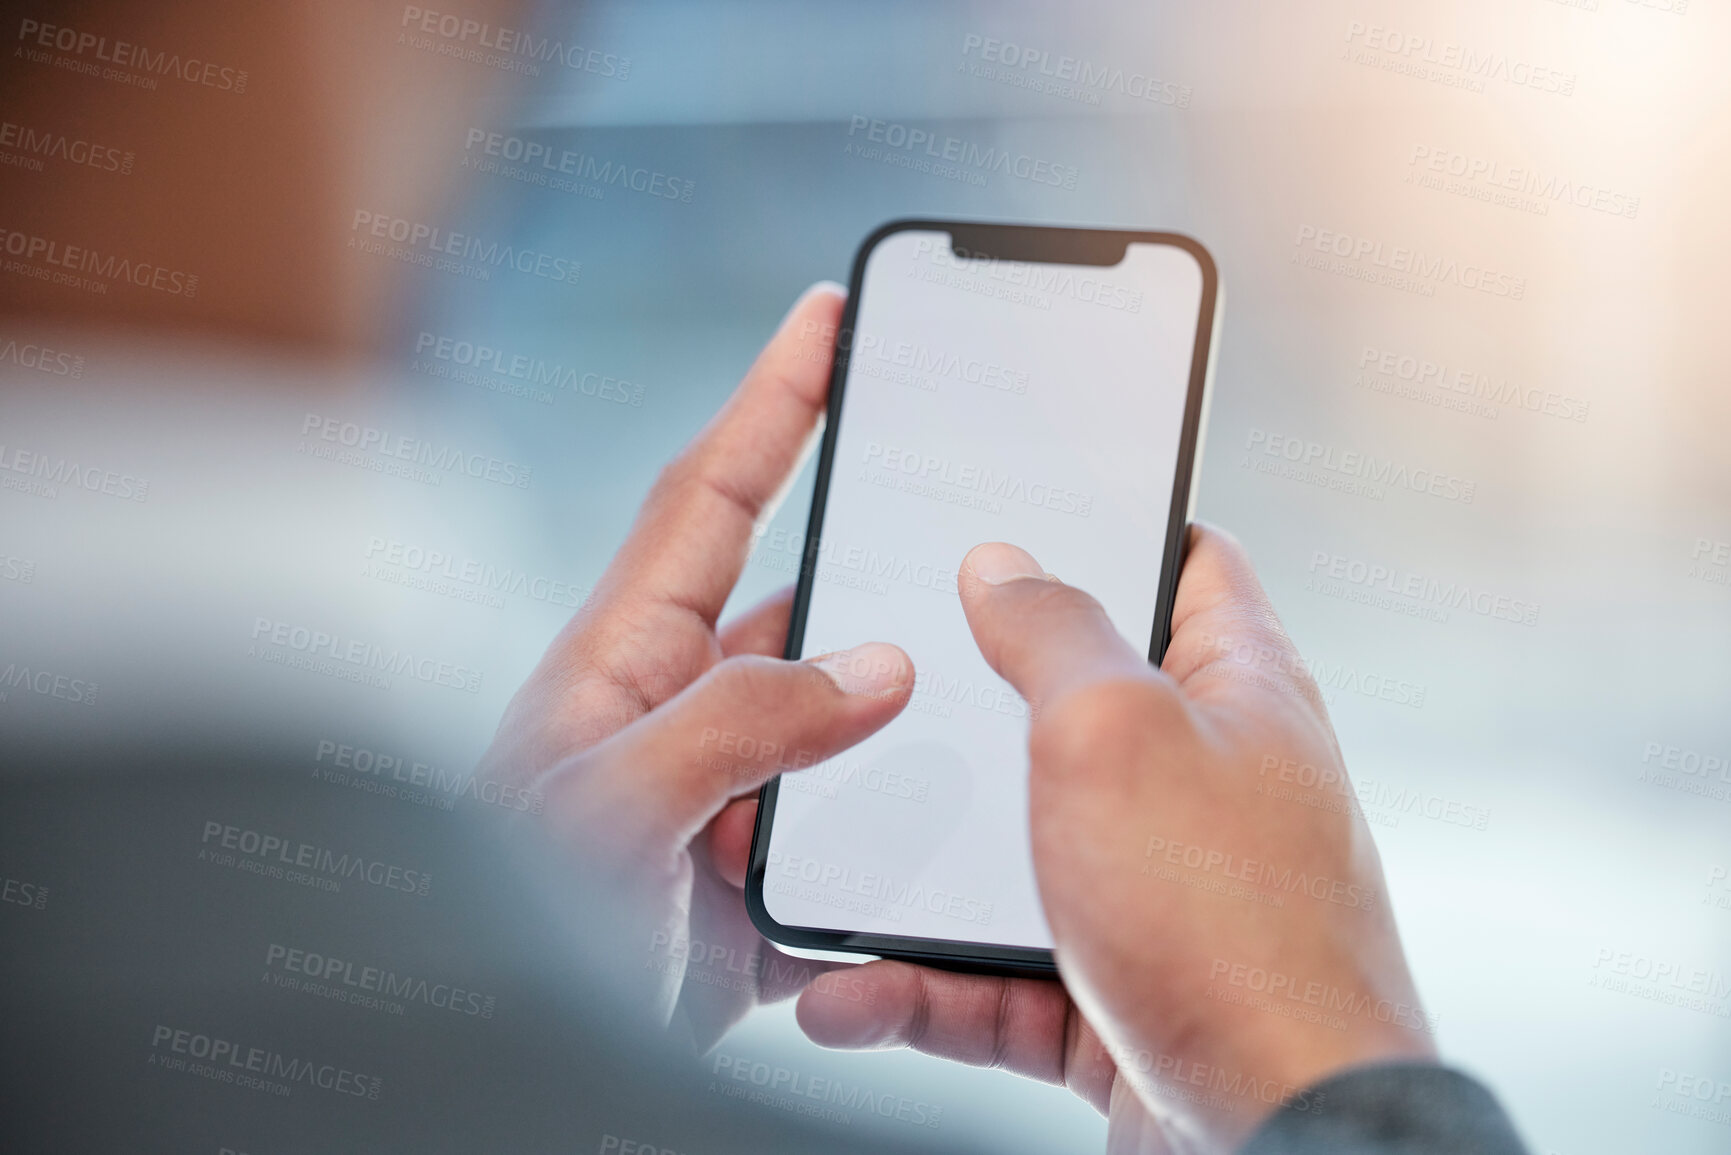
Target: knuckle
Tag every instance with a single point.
(784, 696)
(752, 678)
(1217, 537)
(1026, 626)
(1056, 597)
(1102, 727)
(675, 476)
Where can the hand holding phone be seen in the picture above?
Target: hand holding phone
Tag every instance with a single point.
(647, 729)
(1222, 925)
(614, 729)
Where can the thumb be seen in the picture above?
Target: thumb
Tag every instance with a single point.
(659, 781)
(1043, 637)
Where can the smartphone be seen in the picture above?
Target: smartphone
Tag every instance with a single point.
(1041, 386)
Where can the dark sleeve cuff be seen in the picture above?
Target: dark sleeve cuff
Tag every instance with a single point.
(1391, 1109)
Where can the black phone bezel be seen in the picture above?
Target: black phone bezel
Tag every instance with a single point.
(1038, 243)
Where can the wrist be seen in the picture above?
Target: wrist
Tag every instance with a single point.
(1289, 1064)
(1230, 1072)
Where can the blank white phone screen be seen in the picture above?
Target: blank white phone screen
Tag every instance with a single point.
(986, 400)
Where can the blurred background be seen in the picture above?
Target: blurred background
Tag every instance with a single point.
(1484, 242)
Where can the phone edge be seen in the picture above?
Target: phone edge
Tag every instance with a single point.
(941, 953)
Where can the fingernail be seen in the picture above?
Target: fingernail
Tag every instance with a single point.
(876, 668)
(998, 562)
(843, 1021)
(857, 1035)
